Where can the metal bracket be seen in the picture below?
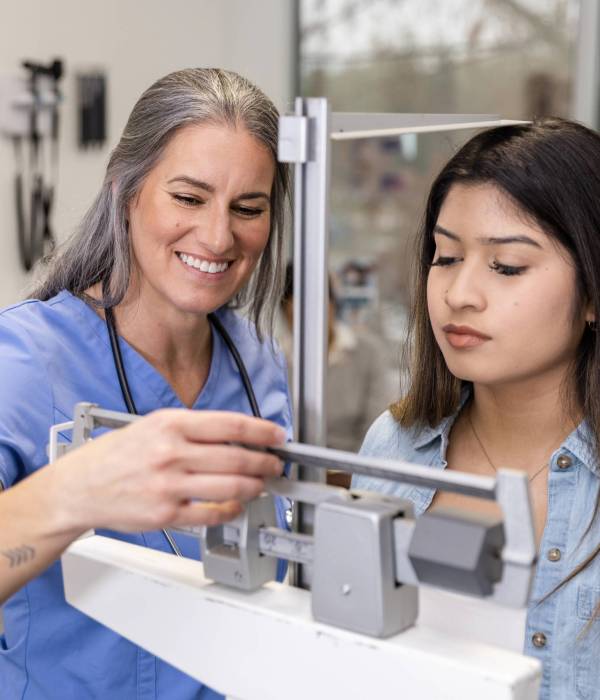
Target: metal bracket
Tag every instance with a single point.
(349, 126)
(87, 417)
(292, 145)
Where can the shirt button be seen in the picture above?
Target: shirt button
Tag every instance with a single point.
(564, 462)
(539, 640)
(554, 554)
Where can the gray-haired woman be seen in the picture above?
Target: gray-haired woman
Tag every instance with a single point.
(187, 225)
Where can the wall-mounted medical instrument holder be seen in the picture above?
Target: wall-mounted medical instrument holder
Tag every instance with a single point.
(368, 553)
(305, 141)
(91, 109)
(30, 117)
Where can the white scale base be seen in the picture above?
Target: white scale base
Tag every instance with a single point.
(266, 646)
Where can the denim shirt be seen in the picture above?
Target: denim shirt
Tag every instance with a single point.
(569, 652)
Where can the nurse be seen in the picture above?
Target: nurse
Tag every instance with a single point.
(506, 365)
(188, 223)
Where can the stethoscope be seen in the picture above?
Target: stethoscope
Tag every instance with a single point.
(126, 391)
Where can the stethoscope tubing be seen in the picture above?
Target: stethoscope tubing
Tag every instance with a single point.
(128, 397)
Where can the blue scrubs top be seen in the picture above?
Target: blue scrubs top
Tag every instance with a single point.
(52, 355)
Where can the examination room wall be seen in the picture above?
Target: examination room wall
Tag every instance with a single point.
(133, 43)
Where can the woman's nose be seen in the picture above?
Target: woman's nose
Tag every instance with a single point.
(215, 231)
(465, 290)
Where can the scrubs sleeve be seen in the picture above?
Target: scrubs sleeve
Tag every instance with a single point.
(25, 403)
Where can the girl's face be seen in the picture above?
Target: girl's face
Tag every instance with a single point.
(501, 293)
(201, 219)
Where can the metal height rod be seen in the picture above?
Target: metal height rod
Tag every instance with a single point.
(584, 102)
(311, 246)
(393, 470)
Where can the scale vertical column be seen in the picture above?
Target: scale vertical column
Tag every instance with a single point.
(304, 140)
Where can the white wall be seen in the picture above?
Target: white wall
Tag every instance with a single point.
(135, 42)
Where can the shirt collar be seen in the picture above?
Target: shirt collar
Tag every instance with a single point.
(580, 443)
(428, 434)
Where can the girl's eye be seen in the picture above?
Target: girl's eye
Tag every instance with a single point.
(187, 200)
(248, 212)
(508, 270)
(443, 261)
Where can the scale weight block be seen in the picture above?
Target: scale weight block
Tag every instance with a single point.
(354, 584)
(458, 551)
(230, 553)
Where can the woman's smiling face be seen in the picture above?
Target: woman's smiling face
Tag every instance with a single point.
(501, 293)
(201, 219)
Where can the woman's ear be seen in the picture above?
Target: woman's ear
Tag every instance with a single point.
(590, 317)
(590, 314)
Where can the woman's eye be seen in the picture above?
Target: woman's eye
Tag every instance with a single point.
(507, 269)
(187, 200)
(443, 261)
(248, 212)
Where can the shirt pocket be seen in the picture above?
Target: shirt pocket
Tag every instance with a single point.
(587, 644)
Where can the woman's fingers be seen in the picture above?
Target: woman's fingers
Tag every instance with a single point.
(215, 487)
(221, 426)
(208, 513)
(227, 459)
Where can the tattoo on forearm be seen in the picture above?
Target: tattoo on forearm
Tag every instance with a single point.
(18, 555)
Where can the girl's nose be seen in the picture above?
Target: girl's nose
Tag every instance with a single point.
(465, 290)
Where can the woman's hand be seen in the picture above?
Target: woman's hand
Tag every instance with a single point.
(142, 477)
(149, 474)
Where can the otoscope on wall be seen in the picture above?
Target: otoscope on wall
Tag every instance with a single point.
(33, 216)
(30, 117)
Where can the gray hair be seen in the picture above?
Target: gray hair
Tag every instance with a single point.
(100, 250)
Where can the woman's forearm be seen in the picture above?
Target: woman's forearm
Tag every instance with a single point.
(33, 530)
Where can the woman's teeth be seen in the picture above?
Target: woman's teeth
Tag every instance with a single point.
(203, 265)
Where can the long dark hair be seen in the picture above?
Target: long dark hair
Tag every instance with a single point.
(550, 169)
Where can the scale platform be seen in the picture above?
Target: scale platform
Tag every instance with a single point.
(265, 644)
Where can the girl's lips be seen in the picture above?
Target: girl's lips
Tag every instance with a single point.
(464, 336)
(463, 340)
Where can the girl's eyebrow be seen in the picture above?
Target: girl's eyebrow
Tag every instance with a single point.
(444, 232)
(492, 240)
